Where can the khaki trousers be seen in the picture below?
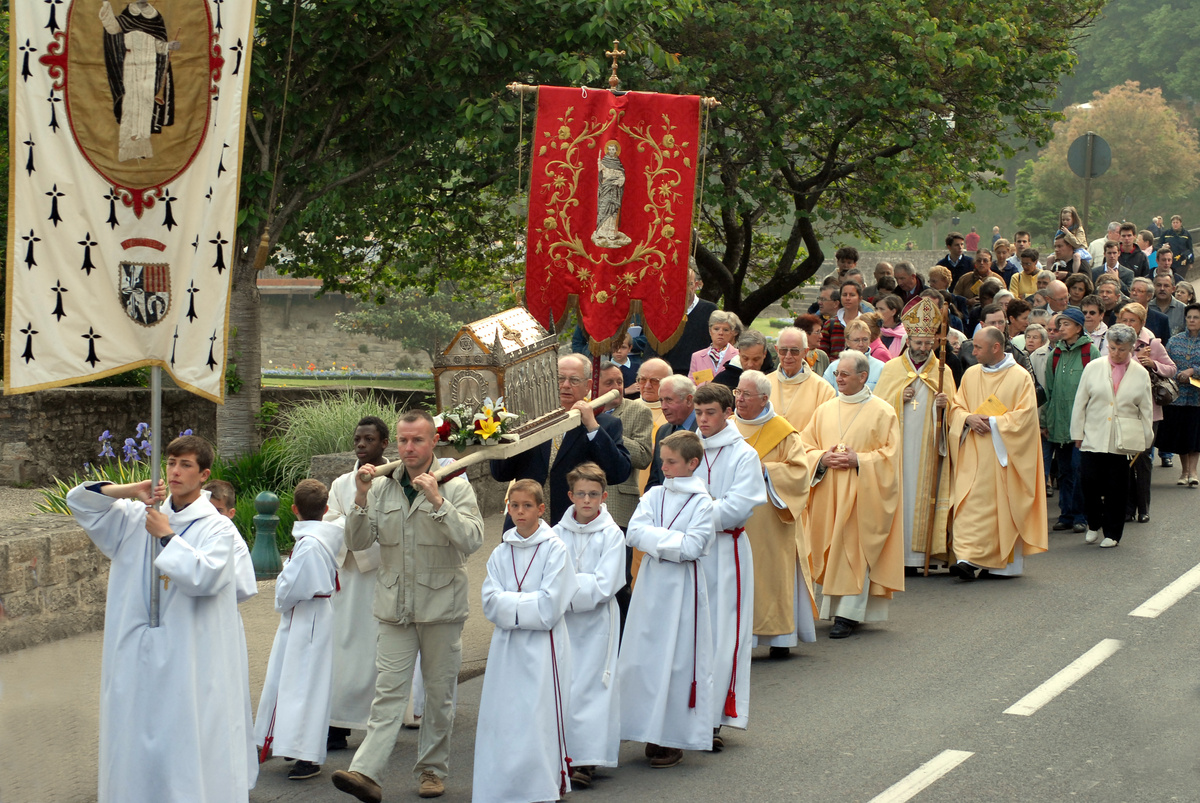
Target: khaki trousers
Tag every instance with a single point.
(440, 646)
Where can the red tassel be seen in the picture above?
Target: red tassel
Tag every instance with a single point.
(265, 752)
(337, 582)
(731, 705)
(692, 696)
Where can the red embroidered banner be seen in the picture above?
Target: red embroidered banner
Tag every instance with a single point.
(610, 210)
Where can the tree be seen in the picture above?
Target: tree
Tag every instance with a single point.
(840, 115)
(397, 136)
(1155, 157)
(418, 320)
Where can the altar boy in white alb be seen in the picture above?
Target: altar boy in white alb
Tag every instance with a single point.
(293, 712)
(665, 667)
(597, 549)
(520, 743)
(733, 475)
(172, 713)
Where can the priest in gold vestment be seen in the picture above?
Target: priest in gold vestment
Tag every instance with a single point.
(910, 383)
(998, 503)
(855, 526)
(796, 390)
(783, 602)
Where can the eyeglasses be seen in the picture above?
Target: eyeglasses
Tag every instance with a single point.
(1091, 312)
(739, 393)
(587, 494)
(785, 351)
(573, 381)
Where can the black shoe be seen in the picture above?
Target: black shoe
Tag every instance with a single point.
(1059, 526)
(1128, 517)
(303, 770)
(780, 653)
(718, 744)
(963, 571)
(842, 627)
(336, 740)
(1167, 462)
(1079, 528)
(1143, 518)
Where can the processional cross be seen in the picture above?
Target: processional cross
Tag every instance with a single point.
(613, 80)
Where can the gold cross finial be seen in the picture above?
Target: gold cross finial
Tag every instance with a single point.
(613, 80)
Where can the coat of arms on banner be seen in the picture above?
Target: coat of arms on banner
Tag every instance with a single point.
(145, 291)
(610, 209)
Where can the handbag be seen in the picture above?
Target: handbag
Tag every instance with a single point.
(1130, 436)
(1164, 389)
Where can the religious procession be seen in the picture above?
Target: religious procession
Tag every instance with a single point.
(687, 498)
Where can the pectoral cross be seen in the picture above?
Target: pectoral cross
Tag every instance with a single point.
(166, 581)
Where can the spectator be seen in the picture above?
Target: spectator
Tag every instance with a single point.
(1021, 243)
(1096, 247)
(1067, 258)
(1024, 281)
(1112, 267)
(858, 338)
(1108, 290)
(908, 284)
(968, 284)
(1131, 255)
(847, 259)
(1044, 278)
(876, 348)
(1145, 241)
(695, 328)
(958, 262)
(833, 332)
(872, 292)
(1110, 421)
(1156, 227)
(1093, 321)
(1034, 339)
(1180, 242)
(891, 328)
(1179, 432)
(1149, 352)
(817, 360)
(1142, 292)
(995, 236)
(1071, 227)
(723, 328)
(1185, 292)
(1057, 296)
(1078, 286)
(752, 355)
(1017, 312)
(1063, 373)
(1003, 249)
(1167, 264)
(971, 241)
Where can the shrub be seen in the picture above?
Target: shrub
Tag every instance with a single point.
(363, 348)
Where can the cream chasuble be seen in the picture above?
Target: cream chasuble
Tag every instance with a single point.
(918, 426)
(659, 420)
(776, 535)
(998, 494)
(855, 526)
(797, 397)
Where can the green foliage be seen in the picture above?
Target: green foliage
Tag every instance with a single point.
(267, 411)
(244, 513)
(363, 348)
(54, 498)
(323, 426)
(839, 116)
(418, 320)
(137, 378)
(1155, 161)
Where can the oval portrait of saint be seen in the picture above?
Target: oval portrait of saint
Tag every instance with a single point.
(138, 86)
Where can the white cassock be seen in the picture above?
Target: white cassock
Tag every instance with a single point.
(733, 475)
(520, 741)
(355, 628)
(172, 710)
(294, 708)
(597, 551)
(667, 644)
(246, 584)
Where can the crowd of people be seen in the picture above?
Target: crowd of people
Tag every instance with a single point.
(734, 494)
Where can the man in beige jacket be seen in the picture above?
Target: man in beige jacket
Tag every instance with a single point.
(425, 533)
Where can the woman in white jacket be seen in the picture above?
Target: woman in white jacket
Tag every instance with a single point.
(1110, 424)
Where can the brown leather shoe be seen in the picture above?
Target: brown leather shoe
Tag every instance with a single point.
(359, 785)
(669, 757)
(653, 750)
(431, 785)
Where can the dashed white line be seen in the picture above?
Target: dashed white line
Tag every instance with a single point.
(1064, 679)
(909, 786)
(1164, 599)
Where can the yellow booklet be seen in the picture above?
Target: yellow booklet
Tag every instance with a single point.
(700, 377)
(1195, 382)
(991, 406)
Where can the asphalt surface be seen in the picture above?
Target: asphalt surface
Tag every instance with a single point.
(850, 720)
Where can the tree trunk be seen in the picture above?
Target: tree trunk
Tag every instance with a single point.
(237, 430)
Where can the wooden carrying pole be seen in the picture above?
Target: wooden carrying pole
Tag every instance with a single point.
(536, 433)
(937, 442)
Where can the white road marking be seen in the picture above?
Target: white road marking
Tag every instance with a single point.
(1164, 599)
(1065, 678)
(911, 785)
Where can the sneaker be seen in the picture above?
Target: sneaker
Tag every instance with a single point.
(1092, 537)
(1167, 462)
(431, 785)
(1108, 543)
(303, 770)
(359, 785)
(668, 758)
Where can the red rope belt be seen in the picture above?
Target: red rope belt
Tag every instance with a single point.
(731, 694)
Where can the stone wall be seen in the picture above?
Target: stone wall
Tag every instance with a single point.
(52, 433)
(53, 582)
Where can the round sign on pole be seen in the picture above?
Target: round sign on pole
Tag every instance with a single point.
(1101, 156)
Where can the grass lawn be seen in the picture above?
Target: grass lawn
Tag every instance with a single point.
(402, 384)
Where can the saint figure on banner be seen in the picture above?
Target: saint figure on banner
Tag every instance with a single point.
(608, 198)
(136, 59)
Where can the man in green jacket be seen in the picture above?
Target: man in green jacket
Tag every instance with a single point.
(1063, 372)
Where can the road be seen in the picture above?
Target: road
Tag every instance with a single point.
(915, 708)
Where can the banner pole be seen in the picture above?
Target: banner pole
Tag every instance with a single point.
(155, 475)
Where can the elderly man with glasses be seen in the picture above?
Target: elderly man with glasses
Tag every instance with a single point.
(598, 440)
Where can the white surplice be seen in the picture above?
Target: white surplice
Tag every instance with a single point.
(733, 475)
(597, 551)
(172, 711)
(668, 633)
(294, 707)
(355, 628)
(519, 749)
(246, 584)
